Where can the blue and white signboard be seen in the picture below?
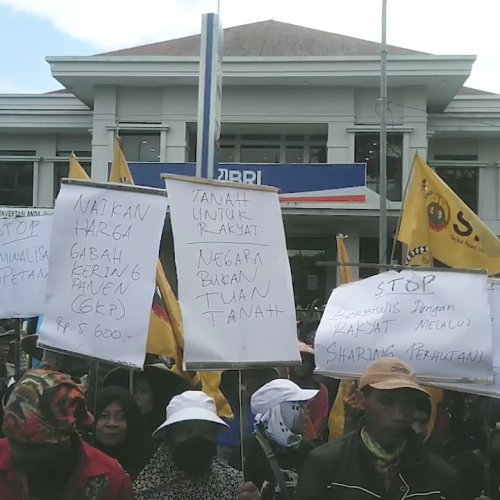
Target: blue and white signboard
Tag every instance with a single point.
(308, 183)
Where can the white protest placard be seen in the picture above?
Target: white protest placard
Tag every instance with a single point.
(235, 286)
(103, 255)
(492, 390)
(439, 322)
(24, 265)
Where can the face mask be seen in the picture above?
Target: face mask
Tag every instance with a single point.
(194, 456)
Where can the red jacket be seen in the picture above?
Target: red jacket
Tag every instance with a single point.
(86, 482)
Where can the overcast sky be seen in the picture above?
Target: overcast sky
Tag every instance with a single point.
(33, 29)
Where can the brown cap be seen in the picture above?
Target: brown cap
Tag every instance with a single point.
(390, 373)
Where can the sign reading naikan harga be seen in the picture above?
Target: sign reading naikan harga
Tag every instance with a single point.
(301, 183)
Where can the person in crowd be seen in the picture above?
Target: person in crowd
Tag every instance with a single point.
(275, 453)
(229, 442)
(383, 458)
(318, 407)
(455, 440)
(185, 466)
(118, 429)
(43, 457)
(153, 389)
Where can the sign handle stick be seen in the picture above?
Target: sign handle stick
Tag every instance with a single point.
(131, 381)
(243, 420)
(92, 390)
(17, 349)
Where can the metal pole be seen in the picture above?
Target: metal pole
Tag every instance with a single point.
(383, 140)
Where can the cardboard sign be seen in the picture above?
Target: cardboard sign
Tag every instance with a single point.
(439, 322)
(102, 265)
(24, 265)
(235, 286)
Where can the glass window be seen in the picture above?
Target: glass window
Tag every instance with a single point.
(317, 154)
(227, 154)
(260, 154)
(16, 183)
(294, 154)
(367, 150)
(143, 147)
(464, 181)
(61, 169)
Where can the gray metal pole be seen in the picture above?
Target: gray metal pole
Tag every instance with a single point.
(383, 140)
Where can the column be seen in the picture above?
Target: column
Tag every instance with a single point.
(176, 144)
(102, 131)
(46, 148)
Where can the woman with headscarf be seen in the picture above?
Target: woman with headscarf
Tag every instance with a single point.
(276, 451)
(118, 429)
(152, 389)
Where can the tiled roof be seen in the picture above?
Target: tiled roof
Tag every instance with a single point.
(269, 39)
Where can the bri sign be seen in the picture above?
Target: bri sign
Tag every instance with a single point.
(301, 183)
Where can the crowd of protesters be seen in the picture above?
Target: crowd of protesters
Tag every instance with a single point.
(151, 435)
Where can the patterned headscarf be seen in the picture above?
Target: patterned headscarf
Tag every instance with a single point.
(45, 407)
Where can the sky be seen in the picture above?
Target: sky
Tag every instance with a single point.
(34, 29)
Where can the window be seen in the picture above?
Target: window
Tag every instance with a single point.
(260, 154)
(367, 150)
(461, 176)
(294, 154)
(16, 179)
(61, 169)
(141, 146)
(317, 154)
(368, 253)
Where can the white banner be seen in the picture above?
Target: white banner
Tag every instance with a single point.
(24, 265)
(439, 322)
(102, 269)
(235, 286)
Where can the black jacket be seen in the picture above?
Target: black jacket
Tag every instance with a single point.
(343, 470)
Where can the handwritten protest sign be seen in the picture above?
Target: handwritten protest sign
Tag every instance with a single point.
(24, 264)
(235, 286)
(439, 322)
(102, 264)
(492, 390)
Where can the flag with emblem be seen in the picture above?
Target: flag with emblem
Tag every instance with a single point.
(449, 230)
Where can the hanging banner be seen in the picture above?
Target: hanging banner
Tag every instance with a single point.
(24, 263)
(235, 286)
(102, 268)
(439, 322)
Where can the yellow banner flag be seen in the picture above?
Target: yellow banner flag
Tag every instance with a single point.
(165, 335)
(76, 171)
(336, 420)
(453, 233)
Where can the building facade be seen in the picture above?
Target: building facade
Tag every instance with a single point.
(291, 95)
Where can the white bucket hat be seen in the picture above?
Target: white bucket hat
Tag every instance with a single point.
(276, 392)
(191, 405)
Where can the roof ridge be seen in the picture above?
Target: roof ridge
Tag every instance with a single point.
(300, 41)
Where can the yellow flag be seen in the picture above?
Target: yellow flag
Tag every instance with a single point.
(336, 420)
(76, 171)
(170, 338)
(455, 234)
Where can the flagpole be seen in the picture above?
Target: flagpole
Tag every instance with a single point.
(383, 140)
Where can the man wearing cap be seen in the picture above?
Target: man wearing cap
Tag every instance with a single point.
(383, 458)
(43, 458)
(185, 466)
